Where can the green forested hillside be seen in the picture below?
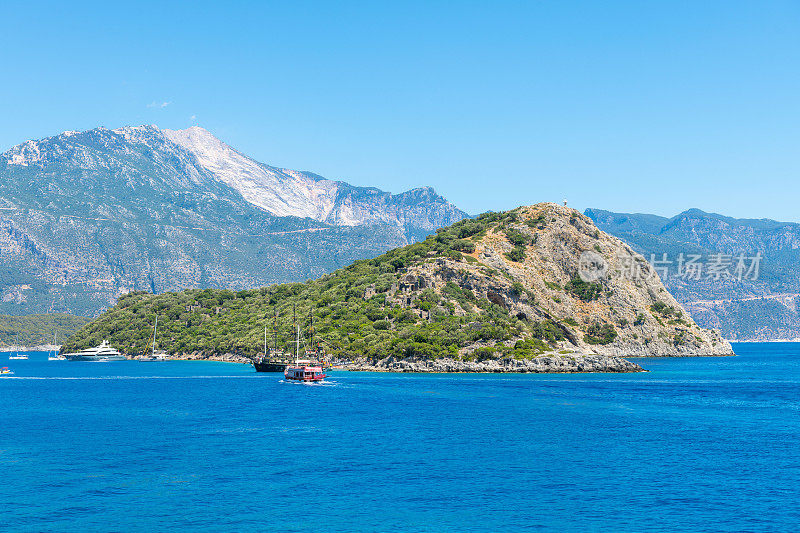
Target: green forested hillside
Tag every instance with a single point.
(35, 330)
(355, 311)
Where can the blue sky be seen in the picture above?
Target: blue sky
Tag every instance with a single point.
(629, 106)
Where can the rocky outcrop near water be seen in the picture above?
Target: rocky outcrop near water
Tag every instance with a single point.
(551, 364)
(221, 357)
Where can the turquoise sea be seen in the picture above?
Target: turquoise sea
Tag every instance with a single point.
(696, 444)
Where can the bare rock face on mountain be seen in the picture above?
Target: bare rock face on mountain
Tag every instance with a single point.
(285, 192)
(86, 217)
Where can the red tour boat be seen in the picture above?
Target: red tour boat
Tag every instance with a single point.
(304, 370)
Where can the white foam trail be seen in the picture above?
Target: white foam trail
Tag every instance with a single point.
(315, 383)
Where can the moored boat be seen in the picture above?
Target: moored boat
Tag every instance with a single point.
(54, 355)
(154, 356)
(270, 365)
(272, 360)
(15, 350)
(101, 353)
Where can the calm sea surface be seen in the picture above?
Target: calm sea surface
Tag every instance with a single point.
(700, 444)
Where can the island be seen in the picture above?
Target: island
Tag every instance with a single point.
(536, 289)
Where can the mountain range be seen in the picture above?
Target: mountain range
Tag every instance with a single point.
(760, 302)
(88, 216)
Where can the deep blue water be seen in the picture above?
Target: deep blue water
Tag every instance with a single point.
(697, 444)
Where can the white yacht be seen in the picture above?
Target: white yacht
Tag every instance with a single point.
(104, 352)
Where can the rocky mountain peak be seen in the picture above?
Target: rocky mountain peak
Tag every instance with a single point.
(278, 191)
(548, 262)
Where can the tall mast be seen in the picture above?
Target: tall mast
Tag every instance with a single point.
(154, 336)
(275, 329)
(297, 335)
(311, 318)
(265, 340)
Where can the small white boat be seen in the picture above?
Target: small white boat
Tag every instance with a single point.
(15, 351)
(155, 355)
(6, 372)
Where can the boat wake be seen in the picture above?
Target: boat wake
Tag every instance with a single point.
(323, 383)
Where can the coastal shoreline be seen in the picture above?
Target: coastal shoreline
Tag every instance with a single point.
(556, 364)
(42, 348)
(550, 364)
(763, 341)
(219, 358)
(681, 356)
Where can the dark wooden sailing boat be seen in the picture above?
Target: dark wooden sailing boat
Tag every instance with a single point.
(269, 365)
(275, 363)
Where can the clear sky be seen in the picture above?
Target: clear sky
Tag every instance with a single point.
(629, 106)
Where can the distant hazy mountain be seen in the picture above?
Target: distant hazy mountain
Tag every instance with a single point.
(85, 217)
(751, 309)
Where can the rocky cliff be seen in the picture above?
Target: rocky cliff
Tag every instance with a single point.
(285, 192)
(626, 310)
